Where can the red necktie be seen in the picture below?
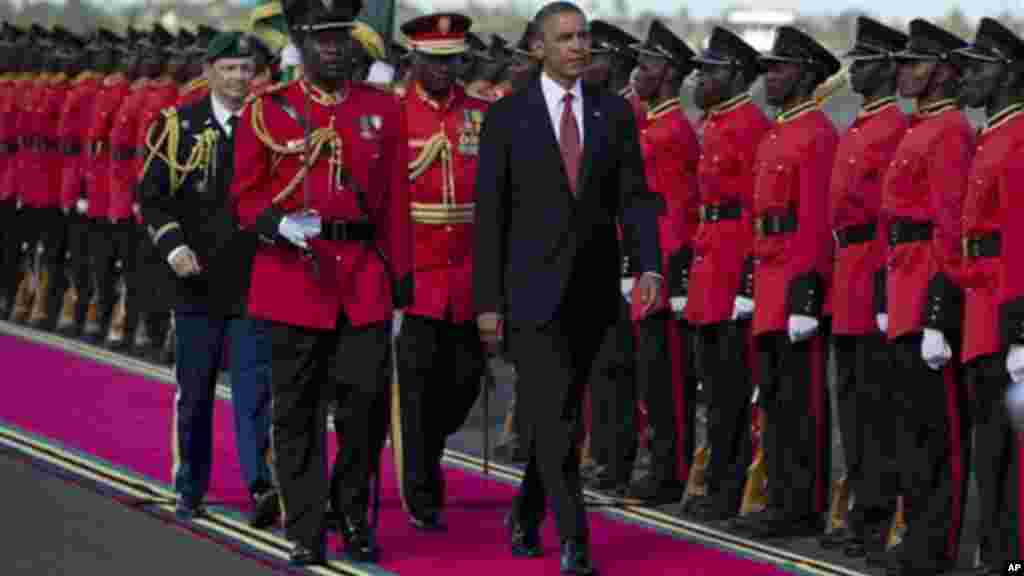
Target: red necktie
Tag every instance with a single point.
(569, 134)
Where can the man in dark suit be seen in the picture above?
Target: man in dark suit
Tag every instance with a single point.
(559, 163)
(186, 205)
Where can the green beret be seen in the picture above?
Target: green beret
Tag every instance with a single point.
(233, 44)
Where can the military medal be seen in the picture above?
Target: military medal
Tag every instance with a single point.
(469, 135)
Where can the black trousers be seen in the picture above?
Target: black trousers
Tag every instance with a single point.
(867, 425)
(613, 431)
(933, 446)
(66, 243)
(725, 367)
(13, 228)
(554, 361)
(311, 368)
(112, 243)
(440, 365)
(798, 436)
(656, 386)
(997, 462)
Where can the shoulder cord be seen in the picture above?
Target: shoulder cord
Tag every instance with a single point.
(437, 145)
(324, 136)
(199, 157)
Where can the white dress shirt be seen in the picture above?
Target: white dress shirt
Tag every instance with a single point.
(554, 94)
(221, 113)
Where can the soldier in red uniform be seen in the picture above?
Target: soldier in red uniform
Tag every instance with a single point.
(41, 191)
(722, 248)
(74, 117)
(127, 156)
(865, 414)
(440, 357)
(993, 81)
(12, 47)
(922, 196)
(122, 66)
(670, 150)
(793, 259)
(336, 266)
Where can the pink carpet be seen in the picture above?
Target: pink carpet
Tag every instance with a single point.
(125, 420)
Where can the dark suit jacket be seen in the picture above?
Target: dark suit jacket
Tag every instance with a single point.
(531, 232)
(197, 212)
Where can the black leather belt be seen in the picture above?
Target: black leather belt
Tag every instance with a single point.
(775, 224)
(125, 153)
(50, 145)
(347, 230)
(71, 149)
(988, 246)
(719, 212)
(8, 147)
(905, 230)
(857, 234)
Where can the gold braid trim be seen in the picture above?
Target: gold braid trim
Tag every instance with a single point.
(84, 76)
(321, 137)
(431, 150)
(199, 157)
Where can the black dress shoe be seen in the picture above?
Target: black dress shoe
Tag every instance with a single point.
(837, 538)
(428, 521)
(302, 556)
(188, 509)
(510, 451)
(855, 549)
(785, 526)
(575, 559)
(265, 510)
(71, 331)
(360, 543)
(609, 486)
(656, 492)
(525, 540)
(711, 515)
(695, 505)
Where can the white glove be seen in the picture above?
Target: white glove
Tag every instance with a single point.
(1015, 363)
(935, 350)
(82, 206)
(626, 285)
(298, 228)
(883, 322)
(396, 323)
(291, 56)
(801, 327)
(742, 308)
(1015, 405)
(678, 304)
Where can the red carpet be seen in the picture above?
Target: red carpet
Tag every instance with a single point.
(124, 420)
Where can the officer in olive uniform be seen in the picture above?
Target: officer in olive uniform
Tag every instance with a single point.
(187, 211)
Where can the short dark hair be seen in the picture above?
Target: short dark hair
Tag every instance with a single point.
(553, 9)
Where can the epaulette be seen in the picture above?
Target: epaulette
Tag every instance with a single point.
(139, 83)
